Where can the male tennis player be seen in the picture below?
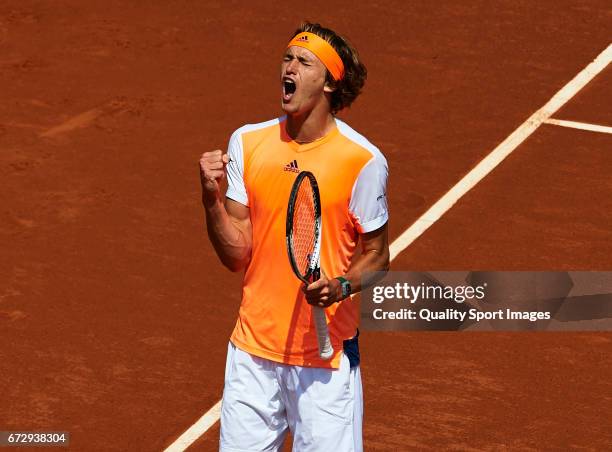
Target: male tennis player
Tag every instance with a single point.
(275, 380)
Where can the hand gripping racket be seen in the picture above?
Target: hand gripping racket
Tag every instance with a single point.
(303, 237)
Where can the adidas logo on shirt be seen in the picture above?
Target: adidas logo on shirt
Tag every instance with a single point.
(292, 166)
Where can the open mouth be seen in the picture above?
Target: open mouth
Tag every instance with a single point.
(288, 89)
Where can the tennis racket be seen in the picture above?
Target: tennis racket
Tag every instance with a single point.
(303, 237)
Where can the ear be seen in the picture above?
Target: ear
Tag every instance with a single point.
(328, 88)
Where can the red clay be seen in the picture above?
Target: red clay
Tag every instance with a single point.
(114, 311)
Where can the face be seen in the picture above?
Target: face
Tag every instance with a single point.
(302, 81)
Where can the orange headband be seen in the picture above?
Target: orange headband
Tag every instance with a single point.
(323, 50)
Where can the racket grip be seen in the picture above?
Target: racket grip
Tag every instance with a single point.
(326, 350)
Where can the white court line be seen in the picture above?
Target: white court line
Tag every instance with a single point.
(447, 201)
(196, 430)
(579, 125)
(486, 165)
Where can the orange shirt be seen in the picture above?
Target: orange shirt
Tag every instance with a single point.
(274, 321)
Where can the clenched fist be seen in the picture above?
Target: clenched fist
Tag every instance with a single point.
(212, 172)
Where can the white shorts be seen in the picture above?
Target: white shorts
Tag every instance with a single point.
(264, 399)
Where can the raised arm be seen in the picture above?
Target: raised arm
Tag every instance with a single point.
(228, 222)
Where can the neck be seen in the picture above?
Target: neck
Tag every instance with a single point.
(310, 126)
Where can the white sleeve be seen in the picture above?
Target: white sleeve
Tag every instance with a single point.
(236, 188)
(368, 204)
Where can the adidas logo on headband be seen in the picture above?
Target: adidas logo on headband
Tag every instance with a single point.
(323, 50)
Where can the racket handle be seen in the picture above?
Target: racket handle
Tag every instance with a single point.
(326, 350)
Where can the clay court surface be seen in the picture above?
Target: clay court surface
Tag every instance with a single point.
(114, 310)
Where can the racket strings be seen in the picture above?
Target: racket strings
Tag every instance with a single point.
(304, 226)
